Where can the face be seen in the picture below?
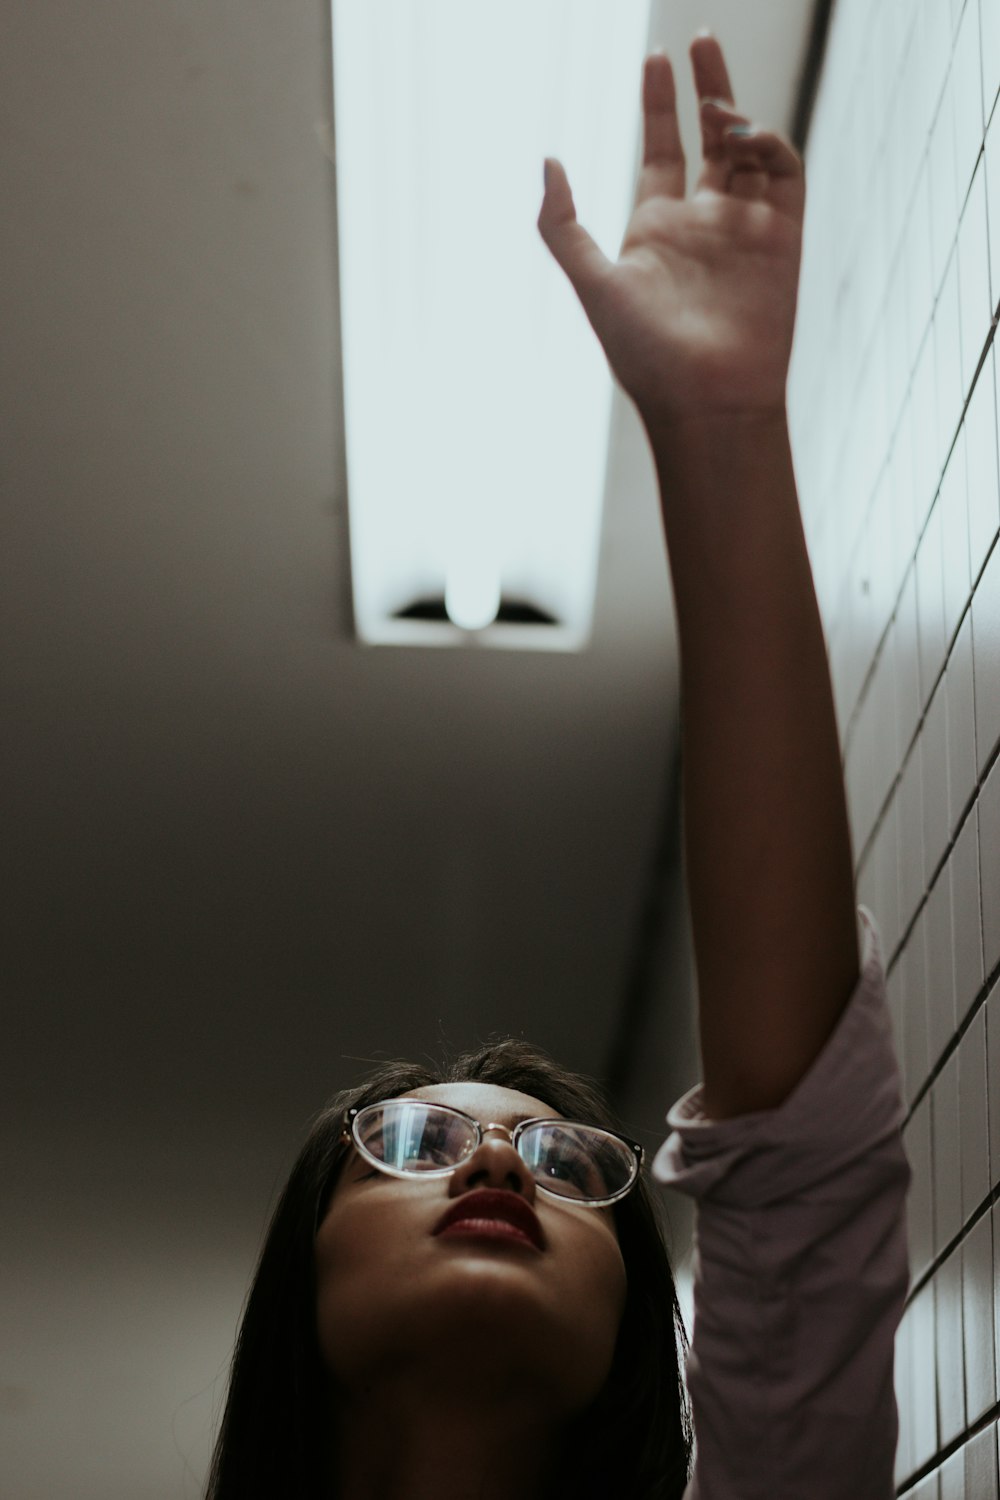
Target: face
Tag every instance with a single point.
(394, 1298)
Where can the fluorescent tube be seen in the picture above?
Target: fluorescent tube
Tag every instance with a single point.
(477, 397)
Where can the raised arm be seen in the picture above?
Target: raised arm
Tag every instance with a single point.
(696, 318)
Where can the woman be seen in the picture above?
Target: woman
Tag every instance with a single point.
(464, 1292)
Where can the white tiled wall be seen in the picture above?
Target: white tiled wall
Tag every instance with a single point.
(894, 415)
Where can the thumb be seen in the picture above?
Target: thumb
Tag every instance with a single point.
(581, 257)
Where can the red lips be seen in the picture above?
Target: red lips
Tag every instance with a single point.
(488, 1203)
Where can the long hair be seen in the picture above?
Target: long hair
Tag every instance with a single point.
(634, 1441)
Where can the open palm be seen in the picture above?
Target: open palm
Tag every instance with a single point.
(697, 315)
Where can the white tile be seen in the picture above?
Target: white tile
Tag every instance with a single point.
(865, 567)
(993, 203)
(838, 667)
(986, 658)
(896, 40)
(887, 750)
(954, 502)
(865, 882)
(981, 1450)
(893, 858)
(989, 27)
(945, 203)
(915, 119)
(897, 342)
(915, 1037)
(857, 637)
(895, 1000)
(992, 1010)
(904, 512)
(920, 1200)
(961, 715)
(923, 399)
(952, 1478)
(941, 1018)
(881, 554)
(988, 808)
(924, 1376)
(995, 1215)
(916, 106)
(855, 778)
(907, 16)
(950, 1363)
(919, 277)
(903, 1385)
(974, 278)
(948, 360)
(887, 877)
(930, 603)
(934, 755)
(875, 451)
(946, 1155)
(869, 284)
(896, 149)
(981, 454)
(937, 46)
(913, 879)
(977, 1319)
(905, 646)
(972, 1111)
(966, 919)
(967, 73)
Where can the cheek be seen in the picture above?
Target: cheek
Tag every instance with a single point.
(595, 1287)
(612, 1290)
(591, 1248)
(355, 1257)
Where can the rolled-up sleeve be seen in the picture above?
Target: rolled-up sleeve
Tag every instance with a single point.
(800, 1269)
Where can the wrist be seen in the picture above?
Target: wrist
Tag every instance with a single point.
(700, 425)
(721, 454)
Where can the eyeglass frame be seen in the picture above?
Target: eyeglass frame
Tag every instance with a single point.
(349, 1137)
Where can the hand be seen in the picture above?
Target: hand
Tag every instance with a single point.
(697, 316)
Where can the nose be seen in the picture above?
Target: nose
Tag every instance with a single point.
(494, 1164)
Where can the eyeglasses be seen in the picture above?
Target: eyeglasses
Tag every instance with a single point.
(412, 1137)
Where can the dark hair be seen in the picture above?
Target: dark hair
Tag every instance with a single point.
(634, 1441)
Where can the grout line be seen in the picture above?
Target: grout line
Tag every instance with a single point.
(858, 541)
(938, 1259)
(982, 995)
(941, 1457)
(851, 728)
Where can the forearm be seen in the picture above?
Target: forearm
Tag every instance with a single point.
(766, 831)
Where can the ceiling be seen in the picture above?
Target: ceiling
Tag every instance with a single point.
(242, 856)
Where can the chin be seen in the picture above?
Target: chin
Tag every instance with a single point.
(485, 1333)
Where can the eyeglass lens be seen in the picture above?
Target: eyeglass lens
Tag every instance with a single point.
(575, 1161)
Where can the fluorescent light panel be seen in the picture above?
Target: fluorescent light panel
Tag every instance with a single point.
(477, 396)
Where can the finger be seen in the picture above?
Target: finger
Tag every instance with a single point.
(748, 150)
(717, 116)
(752, 150)
(711, 81)
(749, 183)
(580, 256)
(663, 167)
(739, 175)
(711, 76)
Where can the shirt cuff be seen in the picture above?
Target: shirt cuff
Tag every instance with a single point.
(849, 1100)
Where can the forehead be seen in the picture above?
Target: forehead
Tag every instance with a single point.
(486, 1102)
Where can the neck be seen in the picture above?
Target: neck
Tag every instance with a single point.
(459, 1444)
